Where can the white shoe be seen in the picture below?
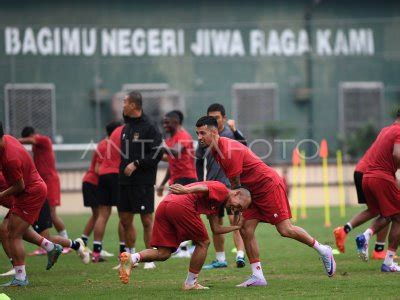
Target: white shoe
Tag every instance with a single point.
(117, 267)
(83, 252)
(182, 254)
(104, 253)
(149, 265)
(11, 272)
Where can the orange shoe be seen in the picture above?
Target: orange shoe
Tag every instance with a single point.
(340, 237)
(196, 286)
(379, 254)
(125, 268)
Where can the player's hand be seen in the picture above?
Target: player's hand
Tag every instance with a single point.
(178, 189)
(231, 124)
(129, 169)
(160, 190)
(237, 218)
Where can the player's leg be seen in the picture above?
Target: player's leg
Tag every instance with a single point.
(379, 249)
(99, 229)
(5, 243)
(16, 229)
(253, 253)
(394, 239)
(58, 222)
(147, 222)
(90, 225)
(196, 263)
(218, 241)
(287, 229)
(238, 241)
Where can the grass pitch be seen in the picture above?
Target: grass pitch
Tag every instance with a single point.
(292, 270)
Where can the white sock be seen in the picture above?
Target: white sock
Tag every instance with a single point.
(389, 257)
(220, 256)
(20, 273)
(191, 278)
(47, 245)
(240, 253)
(348, 224)
(131, 250)
(322, 249)
(368, 233)
(257, 270)
(63, 233)
(135, 257)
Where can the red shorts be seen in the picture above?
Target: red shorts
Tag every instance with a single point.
(174, 223)
(28, 204)
(271, 207)
(53, 190)
(382, 196)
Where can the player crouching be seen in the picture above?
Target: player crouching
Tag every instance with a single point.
(177, 219)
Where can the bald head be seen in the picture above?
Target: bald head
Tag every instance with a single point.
(239, 199)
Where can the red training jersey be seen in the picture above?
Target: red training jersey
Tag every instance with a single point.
(91, 176)
(16, 163)
(364, 162)
(43, 156)
(236, 159)
(202, 203)
(5, 201)
(112, 153)
(382, 164)
(183, 165)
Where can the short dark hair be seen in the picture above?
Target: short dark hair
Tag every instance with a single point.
(173, 115)
(27, 131)
(135, 97)
(1, 130)
(216, 107)
(110, 127)
(207, 121)
(180, 115)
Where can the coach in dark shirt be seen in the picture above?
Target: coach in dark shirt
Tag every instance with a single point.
(140, 154)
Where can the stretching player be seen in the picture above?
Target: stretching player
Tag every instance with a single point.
(269, 200)
(178, 219)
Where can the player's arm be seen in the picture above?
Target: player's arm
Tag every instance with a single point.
(180, 189)
(27, 140)
(220, 229)
(236, 133)
(200, 163)
(396, 155)
(16, 188)
(235, 182)
(160, 188)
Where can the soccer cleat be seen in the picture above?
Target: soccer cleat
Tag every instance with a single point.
(182, 254)
(362, 247)
(66, 250)
(83, 252)
(392, 268)
(329, 262)
(16, 283)
(53, 255)
(96, 257)
(126, 267)
(240, 262)
(196, 286)
(253, 281)
(37, 252)
(340, 237)
(378, 255)
(215, 264)
(149, 265)
(11, 272)
(104, 254)
(117, 267)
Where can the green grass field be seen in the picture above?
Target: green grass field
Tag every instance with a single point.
(292, 271)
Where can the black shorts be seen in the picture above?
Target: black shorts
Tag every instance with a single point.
(185, 180)
(136, 199)
(221, 212)
(90, 195)
(44, 222)
(358, 177)
(108, 190)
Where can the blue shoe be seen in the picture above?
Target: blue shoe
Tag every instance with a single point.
(240, 262)
(362, 247)
(216, 265)
(16, 282)
(53, 255)
(392, 268)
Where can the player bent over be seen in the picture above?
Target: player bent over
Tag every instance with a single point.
(178, 219)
